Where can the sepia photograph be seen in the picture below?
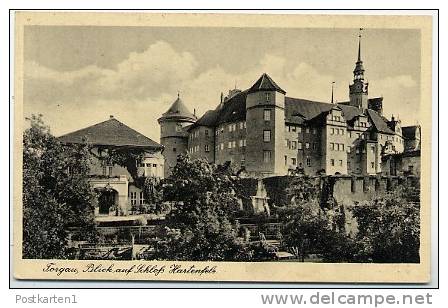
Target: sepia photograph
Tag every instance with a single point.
(212, 147)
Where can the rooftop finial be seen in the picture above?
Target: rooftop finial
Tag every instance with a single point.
(332, 90)
(359, 44)
(178, 94)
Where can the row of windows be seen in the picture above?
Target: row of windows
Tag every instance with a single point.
(133, 196)
(340, 163)
(294, 145)
(336, 146)
(337, 131)
(298, 129)
(336, 118)
(230, 145)
(231, 127)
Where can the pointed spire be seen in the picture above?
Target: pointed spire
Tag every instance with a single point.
(332, 90)
(359, 44)
(178, 94)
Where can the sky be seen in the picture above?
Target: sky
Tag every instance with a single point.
(77, 76)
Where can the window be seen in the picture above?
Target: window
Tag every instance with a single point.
(142, 198)
(229, 146)
(294, 161)
(349, 149)
(241, 125)
(411, 168)
(133, 197)
(307, 130)
(307, 145)
(337, 131)
(267, 136)
(244, 142)
(350, 134)
(299, 145)
(340, 162)
(342, 131)
(267, 115)
(332, 162)
(372, 165)
(104, 170)
(243, 162)
(230, 127)
(337, 146)
(314, 131)
(178, 128)
(268, 97)
(174, 149)
(286, 160)
(110, 170)
(234, 144)
(299, 129)
(357, 151)
(331, 146)
(348, 165)
(332, 131)
(267, 156)
(342, 147)
(314, 146)
(244, 124)
(293, 128)
(206, 132)
(372, 148)
(293, 145)
(308, 162)
(207, 149)
(222, 146)
(241, 143)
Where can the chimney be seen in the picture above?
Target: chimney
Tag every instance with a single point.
(111, 117)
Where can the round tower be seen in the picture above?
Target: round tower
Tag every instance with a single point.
(265, 118)
(173, 133)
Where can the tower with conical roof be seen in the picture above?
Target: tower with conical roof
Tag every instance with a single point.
(173, 134)
(359, 88)
(265, 118)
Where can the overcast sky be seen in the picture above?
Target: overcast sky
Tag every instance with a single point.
(77, 76)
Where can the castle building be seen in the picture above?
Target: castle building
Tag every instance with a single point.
(264, 132)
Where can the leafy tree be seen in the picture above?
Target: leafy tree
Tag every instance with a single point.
(310, 227)
(201, 225)
(389, 227)
(56, 192)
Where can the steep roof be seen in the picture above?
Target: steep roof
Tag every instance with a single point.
(350, 112)
(379, 122)
(178, 109)
(234, 109)
(297, 110)
(265, 83)
(208, 119)
(110, 133)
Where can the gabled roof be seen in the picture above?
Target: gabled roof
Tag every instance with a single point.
(233, 109)
(178, 110)
(110, 133)
(379, 122)
(350, 112)
(265, 83)
(208, 119)
(297, 109)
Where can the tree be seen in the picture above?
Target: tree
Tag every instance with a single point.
(56, 192)
(201, 225)
(312, 227)
(389, 227)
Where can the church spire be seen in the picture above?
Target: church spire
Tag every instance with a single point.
(358, 72)
(359, 47)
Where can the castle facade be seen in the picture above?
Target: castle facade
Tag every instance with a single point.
(263, 132)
